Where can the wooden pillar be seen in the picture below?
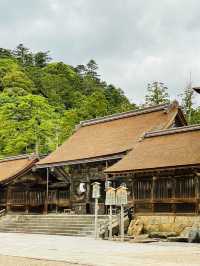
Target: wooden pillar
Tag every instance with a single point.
(133, 195)
(197, 194)
(57, 195)
(153, 193)
(8, 199)
(88, 190)
(71, 188)
(27, 201)
(106, 175)
(173, 194)
(47, 192)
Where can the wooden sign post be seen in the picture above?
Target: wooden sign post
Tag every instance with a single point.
(110, 200)
(96, 196)
(121, 200)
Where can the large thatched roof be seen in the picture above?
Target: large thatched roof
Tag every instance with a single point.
(166, 148)
(112, 135)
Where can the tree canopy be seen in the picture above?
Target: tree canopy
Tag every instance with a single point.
(41, 101)
(157, 93)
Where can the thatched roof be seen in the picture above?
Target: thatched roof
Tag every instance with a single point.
(166, 148)
(15, 166)
(111, 135)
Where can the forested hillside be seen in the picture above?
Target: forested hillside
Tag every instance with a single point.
(41, 101)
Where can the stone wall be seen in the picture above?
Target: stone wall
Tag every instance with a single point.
(172, 225)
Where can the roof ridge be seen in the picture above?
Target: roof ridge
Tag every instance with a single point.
(125, 114)
(18, 157)
(174, 130)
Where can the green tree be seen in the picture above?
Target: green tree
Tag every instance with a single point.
(57, 84)
(81, 70)
(16, 82)
(157, 93)
(30, 123)
(5, 53)
(23, 55)
(195, 116)
(13, 78)
(187, 103)
(41, 59)
(117, 101)
(93, 106)
(91, 69)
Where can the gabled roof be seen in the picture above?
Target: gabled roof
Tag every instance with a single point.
(164, 148)
(111, 135)
(15, 166)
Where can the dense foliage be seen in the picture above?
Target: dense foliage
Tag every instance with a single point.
(42, 101)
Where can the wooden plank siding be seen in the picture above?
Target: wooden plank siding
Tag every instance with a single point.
(27, 199)
(167, 194)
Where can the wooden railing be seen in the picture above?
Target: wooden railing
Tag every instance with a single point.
(2, 212)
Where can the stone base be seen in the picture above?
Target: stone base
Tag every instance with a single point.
(162, 224)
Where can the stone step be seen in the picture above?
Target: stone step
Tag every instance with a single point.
(55, 229)
(86, 228)
(57, 216)
(50, 220)
(66, 233)
(50, 224)
(45, 227)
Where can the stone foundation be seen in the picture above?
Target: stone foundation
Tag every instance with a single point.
(172, 225)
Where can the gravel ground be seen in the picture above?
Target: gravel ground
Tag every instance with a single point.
(18, 261)
(20, 249)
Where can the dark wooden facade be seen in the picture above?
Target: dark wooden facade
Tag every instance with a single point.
(171, 192)
(81, 202)
(25, 190)
(165, 171)
(177, 193)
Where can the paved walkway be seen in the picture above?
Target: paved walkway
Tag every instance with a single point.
(85, 251)
(19, 261)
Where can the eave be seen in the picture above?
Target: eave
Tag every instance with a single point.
(151, 171)
(82, 161)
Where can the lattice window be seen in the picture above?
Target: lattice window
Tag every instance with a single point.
(142, 189)
(163, 189)
(185, 187)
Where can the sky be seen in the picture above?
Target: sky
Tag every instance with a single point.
(134, 42)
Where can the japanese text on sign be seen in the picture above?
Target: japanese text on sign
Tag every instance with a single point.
(121, 196)
(110, 196)
(96, 190)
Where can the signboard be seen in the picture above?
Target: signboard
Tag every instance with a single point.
(121, 196)
(110, 196)
(96, 190)
(108, 184)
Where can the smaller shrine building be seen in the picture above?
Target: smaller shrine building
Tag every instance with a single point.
(164, 168)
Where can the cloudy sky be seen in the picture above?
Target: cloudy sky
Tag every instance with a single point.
(133, 41)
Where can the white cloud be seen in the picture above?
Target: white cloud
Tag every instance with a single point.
(134, 42)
